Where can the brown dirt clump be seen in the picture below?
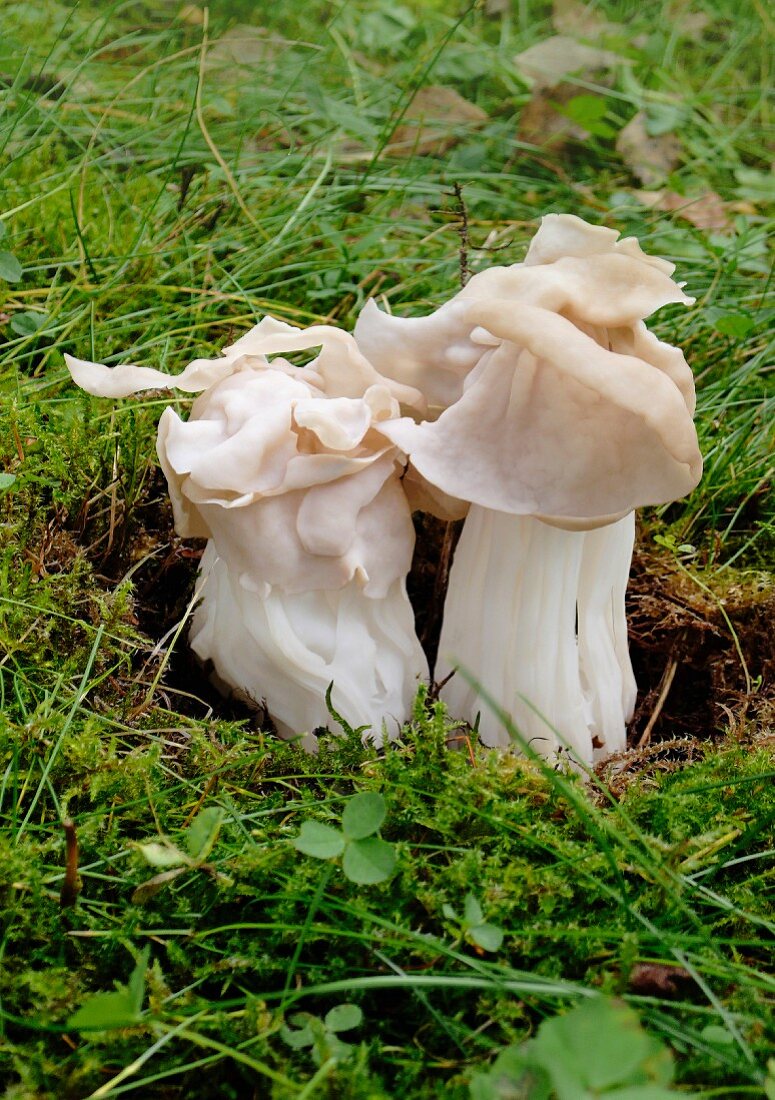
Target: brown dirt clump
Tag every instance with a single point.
(703, 650)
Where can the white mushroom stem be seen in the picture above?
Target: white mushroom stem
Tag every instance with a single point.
(604, 658)
(518, 587)
(288, 647)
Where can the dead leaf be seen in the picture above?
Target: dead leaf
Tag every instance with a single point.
(658, 979)
(433, 122)
(244, 46)
(680, 15)
(192, 14)
(540, 123)
(581, 20)
(649, 158)
(148, 889)
(706, 211)
(546, 63)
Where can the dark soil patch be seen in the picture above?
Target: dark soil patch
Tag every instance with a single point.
(710, 654)
(163, 570)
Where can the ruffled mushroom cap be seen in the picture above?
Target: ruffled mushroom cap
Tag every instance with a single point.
(559, 402)
(340, 369)
(291, 482)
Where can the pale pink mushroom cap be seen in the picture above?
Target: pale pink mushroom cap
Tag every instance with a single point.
(555, 399)
(290, 481)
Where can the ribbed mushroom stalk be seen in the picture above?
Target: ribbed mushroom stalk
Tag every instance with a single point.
(282, 469)
(553, 649)
(607, 679)
(554, 413)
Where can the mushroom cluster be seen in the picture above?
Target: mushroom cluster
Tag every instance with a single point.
(535, 401)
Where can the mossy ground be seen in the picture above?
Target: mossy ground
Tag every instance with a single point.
(158, 204)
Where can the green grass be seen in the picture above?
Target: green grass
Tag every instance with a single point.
(582, 893)
(158, 205)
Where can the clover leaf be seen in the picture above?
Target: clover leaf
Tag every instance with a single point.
(366, 858)
(363, 815)
(322, 1036)
(598, 1048)
(369, 861)
(318, 840)
(473, 927)
(10, 268)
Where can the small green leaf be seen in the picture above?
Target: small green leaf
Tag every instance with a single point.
(343, 1017)
(369, 861)
(587, 111)
(337, 1048)
(6, 481)
(318, 840)
(105, 1011)
(717, 1036)
(162, 855)
(136, 983)
(3, 230)
(363, 815)
(736, 325)
(487, 936)
(472, 910)
(122, 1008)
(449, 913)
(27, 323)
(10, 268)
(298, 1037)
(586, 108)
(202, 833)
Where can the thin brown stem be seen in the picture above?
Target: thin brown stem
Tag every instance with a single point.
(71, 887)
(667, 679)
(462, 228)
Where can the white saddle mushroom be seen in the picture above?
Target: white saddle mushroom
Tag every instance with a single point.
(302, 582)
(556, 415)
